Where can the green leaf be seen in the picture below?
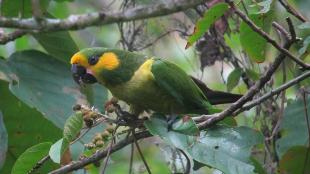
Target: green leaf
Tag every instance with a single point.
(264, 6)
(296, 161)
(203, 25)
(58, 44)
(72, 129)
(25, 126)
(294, 131)
(306, 46)
(55, 151)
(44, 83)
(225, 148)
(252, 74)
(185, 125)
(3, 141)
(233, 78)
(252, 42)
(30, 157)
(259, 169)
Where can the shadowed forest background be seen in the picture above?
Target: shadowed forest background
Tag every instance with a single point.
(259, 49)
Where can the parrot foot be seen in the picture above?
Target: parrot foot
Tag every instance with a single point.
(125, 118)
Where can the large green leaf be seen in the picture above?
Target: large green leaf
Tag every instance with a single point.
(3, 141)
(294, 131)
(296, 161)
(44, 83)
(252, 42)
(25, 126)
(58, 44)
(36, 77)
(222, 147)
(30, 157)
(203, 25)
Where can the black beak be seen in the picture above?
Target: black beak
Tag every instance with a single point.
(81, 76)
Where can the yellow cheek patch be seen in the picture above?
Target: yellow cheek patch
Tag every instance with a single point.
(80, 59)
(108, 61)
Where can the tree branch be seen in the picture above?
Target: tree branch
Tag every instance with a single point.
(4, 38)
(273, 92)
(206, 120)
(75, 22)
(75, 165)
(266, 36)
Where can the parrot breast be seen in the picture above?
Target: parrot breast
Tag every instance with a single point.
(142, 92)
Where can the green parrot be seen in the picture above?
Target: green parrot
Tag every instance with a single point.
(146, 83)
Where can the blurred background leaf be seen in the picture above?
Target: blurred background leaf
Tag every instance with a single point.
(25, 126)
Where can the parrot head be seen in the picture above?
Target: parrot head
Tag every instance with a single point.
(88, 64)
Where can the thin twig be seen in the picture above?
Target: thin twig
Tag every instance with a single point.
(308, 127)
(131, 158)
(273, 92)
(291, 10)
(109, 150)
(75, 22)
(188, 162)
(140, 153)
(159, 37)
(281, 30)
(207, 121)
(273, 42)
(39, 164)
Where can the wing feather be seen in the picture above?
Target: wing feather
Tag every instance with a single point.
(179, 85)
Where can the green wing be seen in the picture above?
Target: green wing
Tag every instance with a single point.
(178, 84)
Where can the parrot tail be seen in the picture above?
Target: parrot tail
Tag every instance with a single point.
(216, 97)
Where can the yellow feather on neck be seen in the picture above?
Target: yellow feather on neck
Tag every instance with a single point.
(108, 61)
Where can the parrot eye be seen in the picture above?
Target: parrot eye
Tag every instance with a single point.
(93, 60)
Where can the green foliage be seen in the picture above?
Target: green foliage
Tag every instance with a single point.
(251, 41)
(58, 44)
(25, 126)
(306, 46)
(55, 151)
(185, 125)
(292, 135)
(203, 25)
(30, 157)
(38, 77)
(37, 91)
(222, 147)
(233, 79)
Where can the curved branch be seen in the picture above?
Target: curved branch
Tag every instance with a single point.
(75, 22)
